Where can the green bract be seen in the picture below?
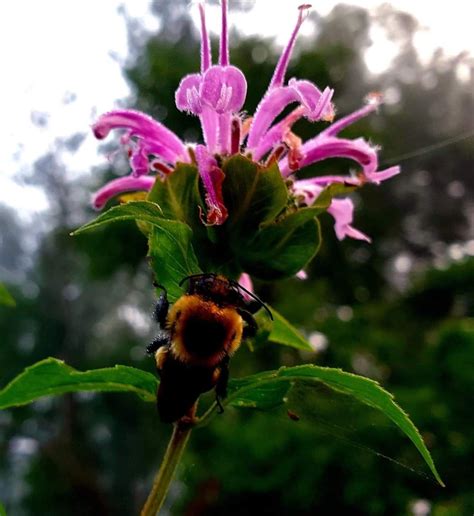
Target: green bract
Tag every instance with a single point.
(264, 234)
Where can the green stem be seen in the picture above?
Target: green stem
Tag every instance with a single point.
(179, 438)
(207, 416)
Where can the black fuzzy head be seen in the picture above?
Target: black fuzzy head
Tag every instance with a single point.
(223, 292)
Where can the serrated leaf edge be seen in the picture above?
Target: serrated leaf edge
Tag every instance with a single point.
(106, 217)
(279, 375)
(92, 386)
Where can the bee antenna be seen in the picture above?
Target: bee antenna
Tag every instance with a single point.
(192, 276)
(186, 278)
(251, 294)
(157, 285)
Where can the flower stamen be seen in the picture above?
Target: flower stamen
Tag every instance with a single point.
(235, 132)
(373, 101)
(295, 155)
(161, 167)
(212, 177)
(206, 56)
(277, 154)
(224, 45)
(278, 78)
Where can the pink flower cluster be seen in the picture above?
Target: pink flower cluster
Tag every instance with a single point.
(216, 95)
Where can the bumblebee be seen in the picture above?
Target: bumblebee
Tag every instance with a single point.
(198, 335)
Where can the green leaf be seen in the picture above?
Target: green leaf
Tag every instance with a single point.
(261, 391)
(144, 211)
(51, 377)
(253, 195)
(326, 196)
(296, 219)
(172, 256)
(285, 333)
(244, 393)
(3, 512)
(249, 391)
(171, 252)
(5, 297)
(178, 196)
(278, 331)
(180, 199)
(282, 249)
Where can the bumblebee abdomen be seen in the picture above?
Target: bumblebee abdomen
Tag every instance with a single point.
(204, 336)
(202, 332)
(180, 387)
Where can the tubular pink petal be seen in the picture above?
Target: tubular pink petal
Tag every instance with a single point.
(224, 44)
(378, 177)
(269, 108)
(246, 281)
(210, 128)
(323, 181)
(154, 147)
(187, 96)
(354, 233)
(317, 104)
(224, 89)
(225, 130)
(139, 161)
(121, 185)
(278, 78)
(125, 138)
(344, 122)
(342, 211)
(212, 178)
(318, 149)
(324, 109)
(302, 275)
(206, 56)
(308, 190)
(143, 126)
(277, 133)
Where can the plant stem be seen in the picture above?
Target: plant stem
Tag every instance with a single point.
(179, 438)
(207, 416)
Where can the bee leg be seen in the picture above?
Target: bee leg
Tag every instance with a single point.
(251, 327)
(161, 357)
(220, 408)
(221, 385)
(160, 313)
(160, 341)
(252, 306)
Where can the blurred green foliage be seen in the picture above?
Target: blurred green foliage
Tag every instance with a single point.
(87, 300)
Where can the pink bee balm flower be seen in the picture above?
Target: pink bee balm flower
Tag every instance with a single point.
(216, 95)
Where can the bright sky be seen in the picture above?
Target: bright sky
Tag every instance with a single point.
(53, 50)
